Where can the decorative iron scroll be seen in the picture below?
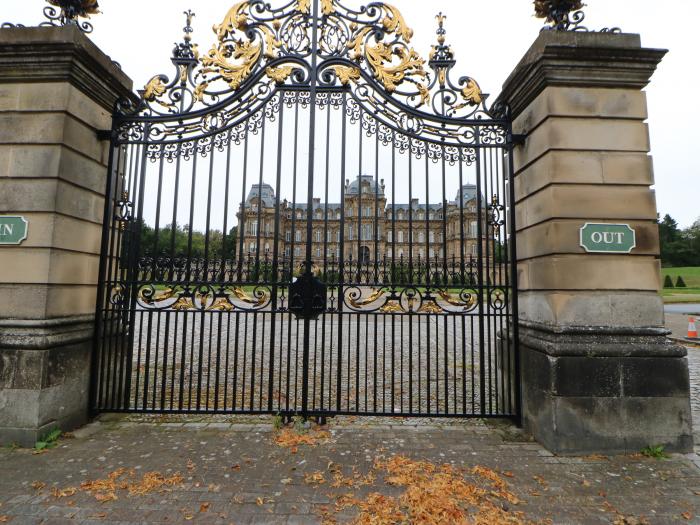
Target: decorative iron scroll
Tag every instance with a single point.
(68, 13)
(565, 15)
(260, 49)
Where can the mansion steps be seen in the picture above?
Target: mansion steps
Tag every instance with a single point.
(373, 229)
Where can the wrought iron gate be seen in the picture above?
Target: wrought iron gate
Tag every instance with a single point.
(308, 219)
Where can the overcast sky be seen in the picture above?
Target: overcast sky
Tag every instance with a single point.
(488, 37)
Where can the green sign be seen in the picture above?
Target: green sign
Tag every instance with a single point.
(13, 229)
(608, 238)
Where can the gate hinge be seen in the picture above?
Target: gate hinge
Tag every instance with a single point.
(518, 139)
(104, 134)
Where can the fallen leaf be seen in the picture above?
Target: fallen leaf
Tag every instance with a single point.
(586, 483)
(314, 478)
(65, 493)
(38, 485)
(687, 516)
(204, 507)
(260, 501)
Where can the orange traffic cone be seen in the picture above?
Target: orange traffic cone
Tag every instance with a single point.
(692, 330)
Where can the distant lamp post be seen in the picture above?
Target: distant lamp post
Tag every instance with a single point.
(564, 15)
(67, 12)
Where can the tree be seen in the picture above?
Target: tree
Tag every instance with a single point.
(679, 247)
(668, 282)
(668, 230)
(680, 283)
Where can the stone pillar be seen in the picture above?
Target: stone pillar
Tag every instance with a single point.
(57, 90)
(598, 373)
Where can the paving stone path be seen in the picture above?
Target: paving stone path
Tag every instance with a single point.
(233, 472)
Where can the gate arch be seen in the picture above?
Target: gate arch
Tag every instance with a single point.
(261, 248)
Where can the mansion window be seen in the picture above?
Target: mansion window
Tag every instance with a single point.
(473, 229)
(390, 236)
(288, 236)
(400, 236)
(297, 236)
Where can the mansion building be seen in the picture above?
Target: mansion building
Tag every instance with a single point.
(372, 228)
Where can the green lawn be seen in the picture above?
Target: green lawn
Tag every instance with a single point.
(691, 276)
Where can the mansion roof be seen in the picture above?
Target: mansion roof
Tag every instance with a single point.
(266, 193)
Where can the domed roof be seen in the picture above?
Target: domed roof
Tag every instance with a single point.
(369, 186)
(467, 193)
(265, 192)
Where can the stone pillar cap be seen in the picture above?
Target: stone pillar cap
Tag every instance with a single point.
(579, 59)
(62, 54)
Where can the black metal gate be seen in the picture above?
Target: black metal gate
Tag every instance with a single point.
(307, 219)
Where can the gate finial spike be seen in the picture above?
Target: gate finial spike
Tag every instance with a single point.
(188, 27)
(186, 50)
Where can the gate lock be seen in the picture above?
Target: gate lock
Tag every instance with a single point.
(307, 297)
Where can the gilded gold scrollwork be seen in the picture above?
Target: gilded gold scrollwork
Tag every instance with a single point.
(304, 6)
(449, 299)
(380, 58)
(218, 61)
(279, 74)
(252, 37)
(373, 297)
(242, 296)
(183, 304)
(154, 89)
(221, 305)
(430, 307)
(327, 7)
(164, 295)
(346, 74)
(391, 307)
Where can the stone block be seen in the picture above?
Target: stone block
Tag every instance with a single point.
(592, 102)
(51, 128)
(48, 266)
(585, 413)
(590, 167)
(51, 96)
(592, 308)
(586, 376)
(563, 237)
(32, 128)
(652, 377)
(46, 301)
(9, 97)
(31, 161)
(579, 134)
(588, 203)
(47, 230)
(590, 272)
